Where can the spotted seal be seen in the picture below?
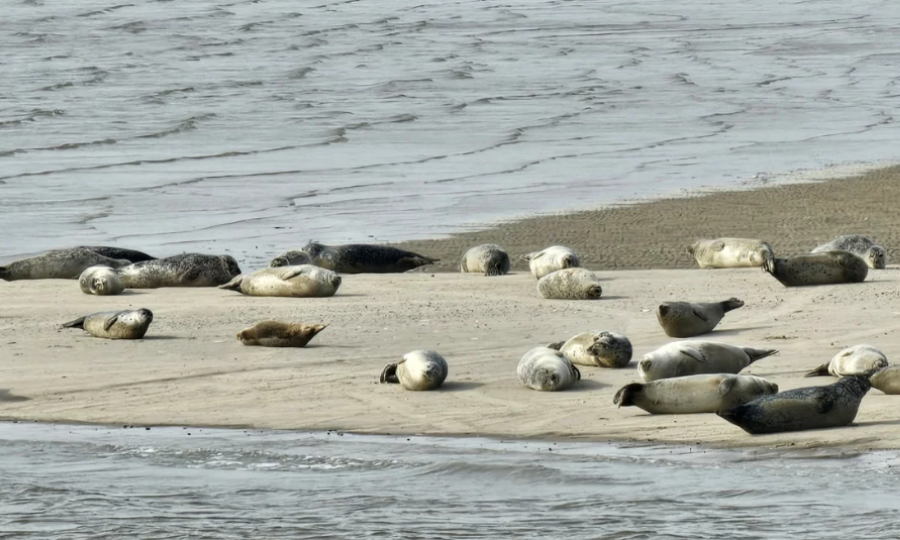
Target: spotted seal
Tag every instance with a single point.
(115, 324)
(364, 258)
(186, 270)
(550, 260)
(695, 357)
(694, 394)
(602, 349)
(303, 281)
(861, 246)
(487, 259)
(570, 284)
(887, 380)
(730, 252)
(417, 370)
(58, 264)
(101, 281)
(279, 334)
(291, 257)
(860, 360)
(132, 255)
(686, 319)
(823, 268)
(546, 369)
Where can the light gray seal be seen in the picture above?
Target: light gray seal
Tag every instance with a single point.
(186, 270)
(824, 268)
(58, 264)
(550, 260)
(887, 380)
(817, 407)
(730, 252)
(599, 349)
(695, 357)
(694, 394)
(487, 259)
(100, 281)
(291, 257)
(279, 334)
(417, 370)
(365, 258)
(686, 319)
(304, 281)
(115, 324)
(570, 284)
(547, 370)
(861, 246)
(862, 360)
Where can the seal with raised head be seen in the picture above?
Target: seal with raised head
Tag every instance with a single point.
(303, 281)
(694, 394)
(291, 257)
(115, 324)
(602, 349)
(101, 281)
(816, 407)
(417, 370)
(887, 380)
(487, 259)
(730, 252)
(550, 260)
(861, 246)
(547, 370)
(570, 284)
(185, 270)
(686, 319)
(862, 360)
(365, 258)
(58, 264)
(824, 268)
(279, 334)
(695, 357)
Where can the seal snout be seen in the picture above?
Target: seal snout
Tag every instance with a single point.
(645, 364)
(663, 310)
(146, 314)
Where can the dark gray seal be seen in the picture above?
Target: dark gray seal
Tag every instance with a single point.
(115, 324)
(861, 246)
(121, 253)
(186, 270)
(365, 258)
(58, 264)
(685, 319)
(825, 268)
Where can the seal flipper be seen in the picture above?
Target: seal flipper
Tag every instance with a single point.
(726, 385)
(625, 396)
(389, 374)
(577, 373)
(112, 320)
(234, 284)
(556, 345)
(693, 353)
(820, 371)
(77, 323)
(758, 354)
(700, 315)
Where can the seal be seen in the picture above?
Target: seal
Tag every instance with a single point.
(304, 281)
(862, 360)
(859, 245)
(365, 258)
(58, 264)
(115, 324)
(487, 259)
(695, 357)
(823, 268)
(550, 260)
(887, 380)
(185, 270)
(599, 349)
(694, 394)
(570, 284)
(685, 319)
(291, 257)
(121, 253)
(547, 370)
(730, 252)
(817, 407)
(417, 370)
(101, 281)
(279, 334)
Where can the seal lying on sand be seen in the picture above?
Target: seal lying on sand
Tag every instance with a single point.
(694, 357)
(817, 407)
(58, 264)
(603, 349)
(487, 259)
(547, 370)
(694, 394)
(730, 252)
(100, 280)
(291, 257)
(121, 253)
(364, 258)
(304, 281)
(186, 270)
(115, 324)
(887, 380)
(279, 334)
(825, 268)
(570, 284)
(684, 319)
(550, 260)
(860, 360)
(861, 246)
(417, 370)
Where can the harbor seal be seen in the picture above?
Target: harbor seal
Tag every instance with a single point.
(279, 334)
(417, 370)
(694, 394)
(695, 357)
(730, 252)
(887, 380)
(364, 258)
(291, 257)
(860, 360)
(115, 324)
(823, 268)
(859, 245)
(550, 260)
(599, 349)
(570, 284)
(685, 319)
(101, 281)
(487, 259)
(304, 281)
(816, 407)
(58, 264)
(547, 370)
(185, 270)
(121, 253)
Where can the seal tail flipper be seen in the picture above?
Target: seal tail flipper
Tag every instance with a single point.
(759, 354)
(821, 371)
(732, 304)
(625, 396)
(234, 284)
(77, 323)
(389, 374)
(556, 345)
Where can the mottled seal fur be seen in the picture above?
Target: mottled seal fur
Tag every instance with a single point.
(547, 370)
(487, 259)
(58, 264)
(824, 268)
(730, 252)
(121, 253)
(862, 360)
(686, 319)
(101, 281)
(279, 334)
(695, 357)
(550, 260)
(817, 407)
(417, 370)
(291, 257)
(694, 394)
(186, 270)
(364, 258)
(570, 284)
(887, 380)
(115, 324)
(303, 281)
(602, 349)
(861, 246)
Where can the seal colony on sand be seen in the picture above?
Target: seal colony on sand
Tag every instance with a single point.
(730, 252)
(861, 246)
(487, 259)
(695, 357)
(115, 324)
(570, 284)
(547, 370)
(550, 260)
(599, 349)
(364, 258)
(860, 360)
(58, 264)
(304, 281)
(417, 370)
(291, 257)
(684, 319)
(694, 394)
(186, 270)
(824, 268)
(279, 334)
(100, 281)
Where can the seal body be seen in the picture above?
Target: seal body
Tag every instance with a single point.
(695, 357)
(602, 349)
(570, 284)
(121, 253)
(694, 394)
(487, 259)
(364, 258)
(58, 264)
(115, 324)
(862, 360)
(547, 370)
(100, 280)
(730, 252)
(279, 334)
(291, 257)
(303, 281)
(824, 268)
(186, 270)
(550, 260)
(817, 407)
(861, 246)
(887, 380)
(417, 370)
(685, 319)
